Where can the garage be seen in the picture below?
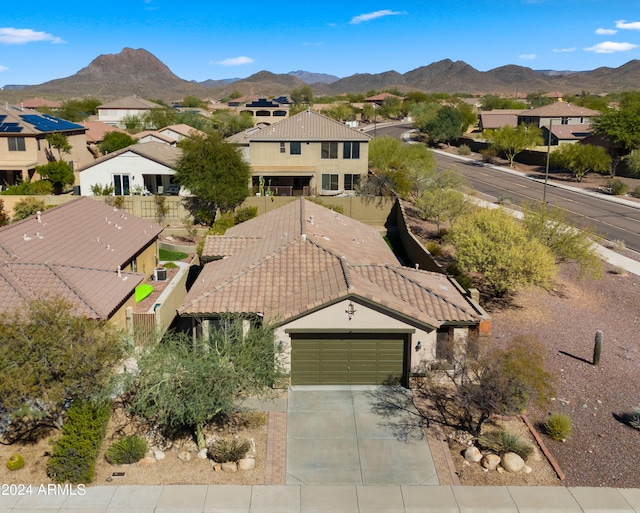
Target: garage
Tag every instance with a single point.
(348, 358)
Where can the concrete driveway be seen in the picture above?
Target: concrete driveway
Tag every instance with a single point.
(356, 435)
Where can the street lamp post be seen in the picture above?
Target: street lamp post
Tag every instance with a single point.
(546, 171)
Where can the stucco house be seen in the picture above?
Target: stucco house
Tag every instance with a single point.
(305, 154)
(171, 134)
(142, 168)
(83, 251)
(113, 112)
(575, 119)
(346, 311)
(23, 143)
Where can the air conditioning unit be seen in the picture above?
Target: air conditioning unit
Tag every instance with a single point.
(160, 274)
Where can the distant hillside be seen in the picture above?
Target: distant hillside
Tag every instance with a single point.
(314, 78)
(139, 72)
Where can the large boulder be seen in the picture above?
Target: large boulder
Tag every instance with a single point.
(490, 461)
(512, 462)
(472, 454)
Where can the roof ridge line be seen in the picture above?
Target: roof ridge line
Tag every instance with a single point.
(73, 290)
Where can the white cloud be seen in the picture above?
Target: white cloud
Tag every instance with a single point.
(236, 61)
(528, 56)
(3, 68)
(373, 15)
(632, 25)
(611, 47)
(564, 50)
(606, 32)
(14, 36)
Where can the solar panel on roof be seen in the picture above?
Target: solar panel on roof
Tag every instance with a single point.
(10, 127)
(46, 123)
(2, 117)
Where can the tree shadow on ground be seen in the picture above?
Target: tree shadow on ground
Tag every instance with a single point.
(398, 413)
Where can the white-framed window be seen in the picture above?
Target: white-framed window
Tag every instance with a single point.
(329, 150)
(121, 185)
(283, 148)
(351, 150)
(329, 182)
(16, 144)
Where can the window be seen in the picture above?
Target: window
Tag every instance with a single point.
(444, 344)
(329, 182)
(121, 185)
(329, 150)
(351, 150)
(283, 149)
(16, 144)
(565, 121)
(295, 148)
(351, 182)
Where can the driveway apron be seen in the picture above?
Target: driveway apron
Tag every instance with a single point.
(356, 435)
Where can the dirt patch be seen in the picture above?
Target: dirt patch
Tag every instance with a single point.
(170, 470)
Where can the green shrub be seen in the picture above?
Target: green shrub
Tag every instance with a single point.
(27, 207)
(15, 462)
(505, 200)
(489, 154)
(222, 223)
(245, 213)
(558, 426)
(434, 248)
(170, 265)
(129, 449)
(502, 442)
(225, 450)
(74, 454)
(636, 192)
(618, 187)
(463, 149)
(39, 187)
(250, 419)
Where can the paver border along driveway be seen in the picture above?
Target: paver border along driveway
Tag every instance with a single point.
(356, 435)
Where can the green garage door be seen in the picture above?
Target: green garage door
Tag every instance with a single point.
(347, 358)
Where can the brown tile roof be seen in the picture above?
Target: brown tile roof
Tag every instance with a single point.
(130, 102)
(499, 118)
(34, 103)
(308, 126)
(96, 130)
(560, 109)
(74, 250)
(303, 256)
(571, 132)
(161, 153)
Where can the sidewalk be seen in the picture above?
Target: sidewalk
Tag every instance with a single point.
(329, 499)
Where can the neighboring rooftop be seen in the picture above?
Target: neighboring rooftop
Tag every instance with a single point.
(164, 154)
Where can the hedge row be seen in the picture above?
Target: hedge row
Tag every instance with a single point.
(74, 454)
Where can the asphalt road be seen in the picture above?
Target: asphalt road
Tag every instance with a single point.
(611, 220)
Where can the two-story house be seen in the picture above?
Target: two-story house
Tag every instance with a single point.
(23, 143)
(305, 154)
(113, 112)
(562, 121)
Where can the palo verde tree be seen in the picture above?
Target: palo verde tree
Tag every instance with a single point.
(59, 142)
(581, 159)
(493, 244)
(214, 172)
(181, 384)
(502, 381)
(513, 140)
(48, 358)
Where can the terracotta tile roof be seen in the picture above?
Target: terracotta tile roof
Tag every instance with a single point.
(74, 251)
(130, 102)
(560, 109)
(162, 153)
(34, 103)
(96, 130)
(308, 126)
(303, 256)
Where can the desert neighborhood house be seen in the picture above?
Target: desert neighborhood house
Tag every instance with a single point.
(346, 311)
(305, 154)
(85, 252)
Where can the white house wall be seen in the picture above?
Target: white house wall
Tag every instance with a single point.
(128, 163)
(334, 317)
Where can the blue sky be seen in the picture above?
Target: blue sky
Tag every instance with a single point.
(201, 40)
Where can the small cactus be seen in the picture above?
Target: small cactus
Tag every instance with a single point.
(15, 462)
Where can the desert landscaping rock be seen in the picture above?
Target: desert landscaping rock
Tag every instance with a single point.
(490, 461)
(473, 454)
(512, 462)
(247, 464)
(230, 466)
(202, 453)
(159, 455)
(184, 456)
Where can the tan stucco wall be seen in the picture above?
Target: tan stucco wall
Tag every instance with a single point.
(334, 317)
(146, 261)
(266, 160)
(119, 318)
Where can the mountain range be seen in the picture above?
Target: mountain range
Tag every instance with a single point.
(139, 72)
